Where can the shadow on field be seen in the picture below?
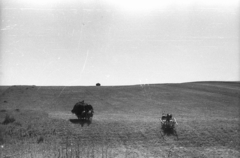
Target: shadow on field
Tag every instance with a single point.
(169, 132)
(81, 122)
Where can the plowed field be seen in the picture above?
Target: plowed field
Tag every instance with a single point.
(125, 122)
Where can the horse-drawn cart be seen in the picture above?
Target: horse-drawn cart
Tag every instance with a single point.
(83, 111)
(168, 125)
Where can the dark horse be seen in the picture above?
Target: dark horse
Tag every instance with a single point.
(83, 110)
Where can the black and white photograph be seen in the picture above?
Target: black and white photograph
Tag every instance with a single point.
(119, 78)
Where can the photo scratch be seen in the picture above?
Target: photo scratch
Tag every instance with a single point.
(84, 65)
(61, 91)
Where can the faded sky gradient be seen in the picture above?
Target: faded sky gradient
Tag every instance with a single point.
(125, 42)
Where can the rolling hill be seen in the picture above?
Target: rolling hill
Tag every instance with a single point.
(125, 122)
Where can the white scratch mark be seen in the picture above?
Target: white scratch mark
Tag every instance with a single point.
(38, 88)
(81, 30)
(84, 63)
(61, 91)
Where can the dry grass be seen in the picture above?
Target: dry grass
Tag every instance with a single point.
(8, 119)
(125, 123)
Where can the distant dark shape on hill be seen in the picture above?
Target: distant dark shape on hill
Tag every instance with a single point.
(83, 110)
(98, 84)
(17, 110)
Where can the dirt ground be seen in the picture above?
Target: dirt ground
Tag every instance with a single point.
(37, 121)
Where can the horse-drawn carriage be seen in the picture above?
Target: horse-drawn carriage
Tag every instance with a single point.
(168, 124)
(83, 111)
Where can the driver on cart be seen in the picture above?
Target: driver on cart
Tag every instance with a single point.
(169, 117)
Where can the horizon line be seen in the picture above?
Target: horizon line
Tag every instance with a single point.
(94, 85)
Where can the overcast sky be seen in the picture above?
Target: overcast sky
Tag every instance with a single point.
(125, 42)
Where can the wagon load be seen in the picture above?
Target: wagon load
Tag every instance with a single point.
(168, 125)
(168, 122)
(83, 111)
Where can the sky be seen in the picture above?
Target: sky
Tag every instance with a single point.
(121, 42)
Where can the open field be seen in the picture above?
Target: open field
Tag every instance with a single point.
(125, 122)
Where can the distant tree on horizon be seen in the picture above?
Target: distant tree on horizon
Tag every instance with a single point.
(98, 84)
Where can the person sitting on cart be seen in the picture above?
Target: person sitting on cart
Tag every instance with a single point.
(168, 118)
